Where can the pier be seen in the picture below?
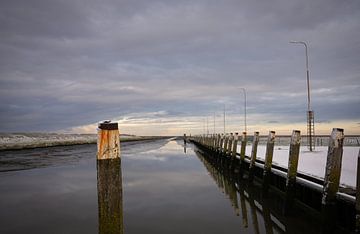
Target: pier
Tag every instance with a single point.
(334, 203)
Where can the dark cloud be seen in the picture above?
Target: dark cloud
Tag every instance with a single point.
(71, 63)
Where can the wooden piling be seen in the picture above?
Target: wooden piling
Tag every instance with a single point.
(332, 179)
(333, 166)
(108, 143)
(184, 138)
(292, 169)
(268, 160)
(226, 141)
(253, 156)
(235, 142)
(358, 195)
(231, 139)
(243, 148)
(222, 138)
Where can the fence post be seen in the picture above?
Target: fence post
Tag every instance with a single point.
(108, 143)
(268, 160)
(332, 177)
(292, 169)
(253, 156)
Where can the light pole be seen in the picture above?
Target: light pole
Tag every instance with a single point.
(244, 90)
(310, 113)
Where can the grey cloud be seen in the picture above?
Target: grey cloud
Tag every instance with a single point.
(70, 63)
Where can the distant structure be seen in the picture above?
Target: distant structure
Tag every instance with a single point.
(310, 113)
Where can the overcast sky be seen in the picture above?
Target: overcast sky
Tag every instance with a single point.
(162, 67)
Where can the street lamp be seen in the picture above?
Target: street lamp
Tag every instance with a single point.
(244, 90)
(310, 113)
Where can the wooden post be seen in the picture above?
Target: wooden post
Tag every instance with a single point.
(218, 146)
(332, 179)
(226, 143)
(184, 138)
(243, 147)
(358, 195)
(231, 138)
(108, 144)
(222, 138)
(292, 169)
(235, 142)
(253, 156)
(333, 166)
(268, 160)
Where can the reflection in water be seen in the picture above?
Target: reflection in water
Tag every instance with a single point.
(266, 211)
(109, 185)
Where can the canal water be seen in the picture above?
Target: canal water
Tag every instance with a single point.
(163, 186)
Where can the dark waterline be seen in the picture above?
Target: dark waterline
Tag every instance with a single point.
(166, 188)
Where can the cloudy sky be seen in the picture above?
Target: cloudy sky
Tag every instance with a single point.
(163, 67)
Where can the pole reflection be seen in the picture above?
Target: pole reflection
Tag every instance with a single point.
(109, 186)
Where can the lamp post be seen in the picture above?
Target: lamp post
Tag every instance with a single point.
(244, 90)
(310, 113)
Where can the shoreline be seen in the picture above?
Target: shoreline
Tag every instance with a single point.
(47, 144)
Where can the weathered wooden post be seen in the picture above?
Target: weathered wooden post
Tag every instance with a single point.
(184, 138)
(108, 144)
(253, 156)
(109, 181)
(231, 139)
(358, 194)
(226, 141)
(243, 148)
(222, 138)
(292, 169)
(235, 142)
(218, 138)
(332, 177)
(268, 160)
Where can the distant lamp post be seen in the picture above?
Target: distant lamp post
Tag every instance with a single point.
(310, 113)
(244, 90)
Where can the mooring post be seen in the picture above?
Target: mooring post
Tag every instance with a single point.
(332, 177)
(242, 155)
(358, 195)
(243, 148)
(218, 144)
(221, 142)
(268, 160)
(108, 143)
(109, 182)
(184, 138)
(333, 166)
(253, 156)
(292, 169)
(226, 141)
(231, 138)
(235, 142)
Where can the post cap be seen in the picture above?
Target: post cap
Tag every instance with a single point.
(108, 125)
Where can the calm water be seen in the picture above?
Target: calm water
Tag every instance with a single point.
(166, 188)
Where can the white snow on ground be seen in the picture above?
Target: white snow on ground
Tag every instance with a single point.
(32, 140)
(313, 163)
